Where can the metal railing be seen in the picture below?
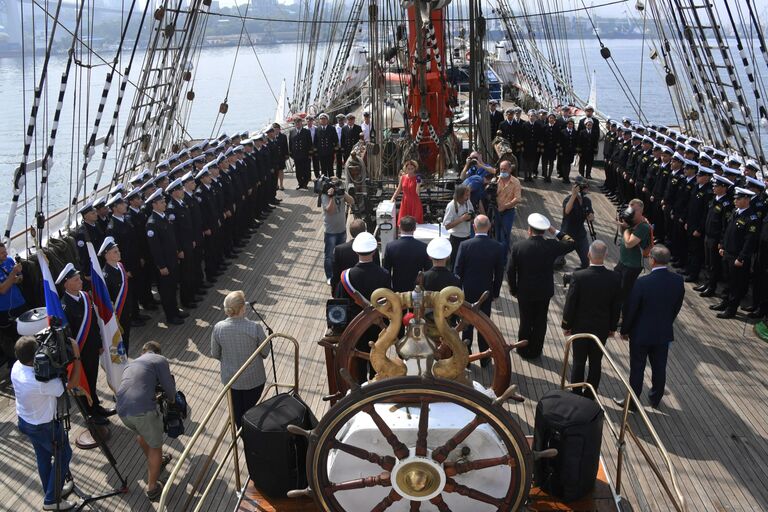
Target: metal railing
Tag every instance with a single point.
(228, 427)
(671, 487)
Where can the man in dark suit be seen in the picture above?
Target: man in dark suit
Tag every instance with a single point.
(480, 268)
(343, 255)
(350, 135)
(365, 278)
(495, 117)
(551, 140)
(405, 257)
(649, 316)
(566, 151)
(586, 146)
(532, 139)
(300, 145)
(592, 306)
(530, 275)
(181, 220)
(326, 143)
(439, 276)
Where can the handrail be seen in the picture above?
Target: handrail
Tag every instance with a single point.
(229, 424)
(676, 497)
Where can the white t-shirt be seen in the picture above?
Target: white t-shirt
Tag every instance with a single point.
(452, 212)
(35, 400)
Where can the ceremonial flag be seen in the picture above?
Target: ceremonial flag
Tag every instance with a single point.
(113, 358)
(54, 310)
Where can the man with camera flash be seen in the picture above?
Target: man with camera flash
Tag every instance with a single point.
(36, 409)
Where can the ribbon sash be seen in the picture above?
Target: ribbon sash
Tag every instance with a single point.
(85, 325)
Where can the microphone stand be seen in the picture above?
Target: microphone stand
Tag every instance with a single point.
(269, 333)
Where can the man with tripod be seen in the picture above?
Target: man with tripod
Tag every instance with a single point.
(38, 420)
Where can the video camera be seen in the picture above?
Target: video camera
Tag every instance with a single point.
(626, 214)
(54, 352)
(174, 411)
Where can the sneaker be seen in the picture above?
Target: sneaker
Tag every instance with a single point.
(154, 494)
(61, 505)
(68, 487)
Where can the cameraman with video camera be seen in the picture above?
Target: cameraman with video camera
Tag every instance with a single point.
(635, 238)
(138, 409)
(333, 200)
(36, 407)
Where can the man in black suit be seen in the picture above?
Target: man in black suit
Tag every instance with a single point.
(649, 316)
(592, 306)
(586, 146)
(508, 127)
(532, 140)
(480, 268)
(343, 255)
(439, 276)
(530, 275)
(566, 151)
(551, 140)
(350, 135)
(495, 116)
(365, 278)
(181, 220)
(405, 257)
(300, 145)
(87, 231)
(326, 143)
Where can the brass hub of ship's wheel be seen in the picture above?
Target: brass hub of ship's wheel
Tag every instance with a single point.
(432, 469)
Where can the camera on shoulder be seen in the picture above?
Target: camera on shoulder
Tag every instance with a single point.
(54, 352)
(627, 215)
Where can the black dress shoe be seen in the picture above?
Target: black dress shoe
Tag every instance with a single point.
(749, 309)
(701, 287)
(175, 321)
(104, 413)
(722, 306)
(728, 313)
(621, 401)
(707, 293)
(691, 279)
(182, 314)
(755, 314)
(656, 405)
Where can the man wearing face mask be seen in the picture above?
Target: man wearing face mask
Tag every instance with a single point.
(508, 196)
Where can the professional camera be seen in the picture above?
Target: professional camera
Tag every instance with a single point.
(473, 161)
(322, 184)
(53, 354)
(339, 190)
(174, 411)
(627, 215)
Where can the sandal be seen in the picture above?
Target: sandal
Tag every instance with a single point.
(154, 494)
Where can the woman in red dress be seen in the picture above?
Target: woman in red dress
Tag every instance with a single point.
(409, 186)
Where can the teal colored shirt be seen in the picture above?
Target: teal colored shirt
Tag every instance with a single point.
(633, 257)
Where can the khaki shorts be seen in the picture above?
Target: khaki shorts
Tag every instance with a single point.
(148, 425)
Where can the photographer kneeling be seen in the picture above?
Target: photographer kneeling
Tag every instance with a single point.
(36, 409)
(137, 408)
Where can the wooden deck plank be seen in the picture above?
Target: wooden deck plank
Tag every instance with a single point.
(713, 421)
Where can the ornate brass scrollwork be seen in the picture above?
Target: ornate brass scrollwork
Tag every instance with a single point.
(387, 303)
(444, 304)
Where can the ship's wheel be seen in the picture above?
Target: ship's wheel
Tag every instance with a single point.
(417, 443)
(451, 314)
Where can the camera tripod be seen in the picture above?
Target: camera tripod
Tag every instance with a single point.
(63, 419)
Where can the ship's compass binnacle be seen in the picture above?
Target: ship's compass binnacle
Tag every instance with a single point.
(419, 436)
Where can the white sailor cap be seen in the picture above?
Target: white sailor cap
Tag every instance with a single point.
(754, 182)
(680, 158)
(509, 111)
(720, 154)
(717, 164)
(229, 152)
(493, 102)
(531, 112)
(658, 147)
(733, 159)
(143, 175)
(704, 171)
(637, 136)
(692, 164)
(177, 183)
(178, 168)
(68, 271)
(696, 141)
(156, 196)
(100, 202)
(350, 116)
(340, 116)
(247, 142)
(721, 181)
(202, 172)
(364, 243)
(731, 170)
(219, 159)
(199, 159)
(243, 135)
(87, 207)
(648, 140)
(704, 156)
(117, 189)
(163, 165)
(239, 148)
(738, 191)
(439, 248)
(627, 130)
(668, 150)
(751, 164)
(589, 107)
(538, 221)
(106, 245)
(116, 199)
(188, 176)
(136, 192)
(323, 115)
(626, 119)
(160, 177)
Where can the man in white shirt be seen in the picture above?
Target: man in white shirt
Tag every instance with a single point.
(36, 409)
(458, 218)
(366, 126)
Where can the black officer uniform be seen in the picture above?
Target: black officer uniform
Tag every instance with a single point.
(586, 146)
(365, 278)
(739, 243)
(350, 135)
(679, 247)
(437, 278)
(163, 246)
(126, 237)
(196, 218)
(300, 144)
(138, 218)
(326, 143)
(116, 278)
(718, 216)
(209, 216)
(180, 218)
(495, 118)
(87, 233)
(566, 152)
(695, 218)
(551, 139)
(531, 145)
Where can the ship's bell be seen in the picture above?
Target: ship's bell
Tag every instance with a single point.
(415, 344)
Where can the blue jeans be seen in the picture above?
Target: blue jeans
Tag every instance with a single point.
(505, 221)
(331, 241)
(42, 437)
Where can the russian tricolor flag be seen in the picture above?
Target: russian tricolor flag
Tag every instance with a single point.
(113, 358)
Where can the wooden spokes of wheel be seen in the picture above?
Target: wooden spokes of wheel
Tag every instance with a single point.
(426, 471)
(347, 352)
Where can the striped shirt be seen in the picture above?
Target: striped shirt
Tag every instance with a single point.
(233, 341)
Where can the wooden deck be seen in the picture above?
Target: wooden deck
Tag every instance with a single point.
(713, 421)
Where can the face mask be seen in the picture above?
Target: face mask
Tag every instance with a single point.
(504, 175)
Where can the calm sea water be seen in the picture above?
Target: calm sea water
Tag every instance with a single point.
(251, 104)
